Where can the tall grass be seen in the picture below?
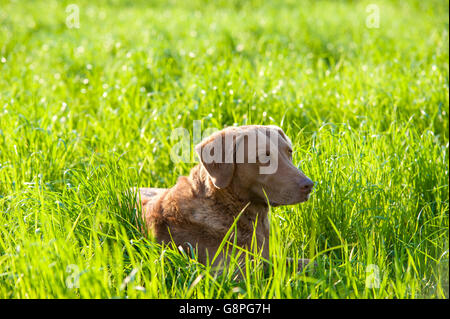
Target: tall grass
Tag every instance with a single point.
(86, 114)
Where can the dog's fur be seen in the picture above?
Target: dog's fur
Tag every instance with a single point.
(199, 210)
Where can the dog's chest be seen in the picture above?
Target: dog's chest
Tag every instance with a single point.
(211, 220)
(219, 220)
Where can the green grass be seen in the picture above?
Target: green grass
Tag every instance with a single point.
(87, 113)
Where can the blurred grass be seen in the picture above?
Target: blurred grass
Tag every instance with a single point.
(87, 113)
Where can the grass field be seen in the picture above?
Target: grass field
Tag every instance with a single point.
(86, 113)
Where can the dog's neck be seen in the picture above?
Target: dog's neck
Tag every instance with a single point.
(229, 196)
(229, 201)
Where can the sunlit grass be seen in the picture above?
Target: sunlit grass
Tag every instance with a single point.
(86, 114)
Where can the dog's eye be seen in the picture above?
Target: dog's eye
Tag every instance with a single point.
(290, 151)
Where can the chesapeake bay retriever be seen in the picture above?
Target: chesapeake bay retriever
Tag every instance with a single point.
(250, 166)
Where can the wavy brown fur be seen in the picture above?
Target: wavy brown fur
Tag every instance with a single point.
(194, 211)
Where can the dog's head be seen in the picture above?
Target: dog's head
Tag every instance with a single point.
(256, 161)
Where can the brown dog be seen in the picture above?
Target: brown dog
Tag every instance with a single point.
(249, 167)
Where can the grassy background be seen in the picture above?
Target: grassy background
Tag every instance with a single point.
(86, 113)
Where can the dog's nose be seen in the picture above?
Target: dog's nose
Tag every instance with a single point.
(306, 185)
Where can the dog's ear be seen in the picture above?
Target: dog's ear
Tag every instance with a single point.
(217, 154)
(281, 132)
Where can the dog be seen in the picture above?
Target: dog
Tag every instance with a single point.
(242, 170)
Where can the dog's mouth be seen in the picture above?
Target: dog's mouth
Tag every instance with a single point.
(303, 199)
